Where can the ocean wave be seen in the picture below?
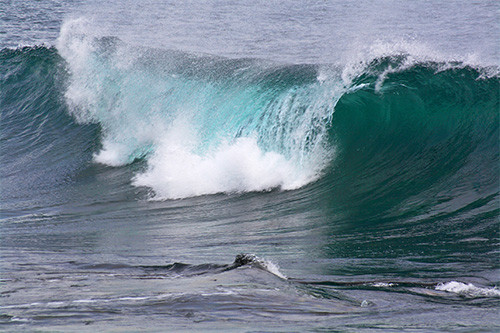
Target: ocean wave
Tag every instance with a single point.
(399, 124)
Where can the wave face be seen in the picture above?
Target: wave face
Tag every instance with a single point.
(41, 145)
(379, 132)
(418, 137)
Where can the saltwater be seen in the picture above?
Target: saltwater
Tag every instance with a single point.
(249, 166)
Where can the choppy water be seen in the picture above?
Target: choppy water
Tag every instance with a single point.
(319, 166)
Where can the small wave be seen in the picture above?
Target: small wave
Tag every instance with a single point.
(265, 264)
(468, 289)
(185, 270)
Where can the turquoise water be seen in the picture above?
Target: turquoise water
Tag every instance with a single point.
(352, 163)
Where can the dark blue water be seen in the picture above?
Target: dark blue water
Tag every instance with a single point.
(320, 166)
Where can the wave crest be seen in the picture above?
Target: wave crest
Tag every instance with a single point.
(205, 124)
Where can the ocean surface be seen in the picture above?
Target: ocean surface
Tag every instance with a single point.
(282, 166)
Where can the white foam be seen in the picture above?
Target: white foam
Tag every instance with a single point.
(468, 289)
(267, 265)
(130, 298)
(273, 268)
(383, 284)
(175, 171)
(75, 46)
(19, 319)
(358, 60)
(112, 154)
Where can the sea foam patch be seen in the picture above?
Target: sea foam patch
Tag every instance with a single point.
(241, 166)
(468, 289)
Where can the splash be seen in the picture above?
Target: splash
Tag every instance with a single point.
(205, 124)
